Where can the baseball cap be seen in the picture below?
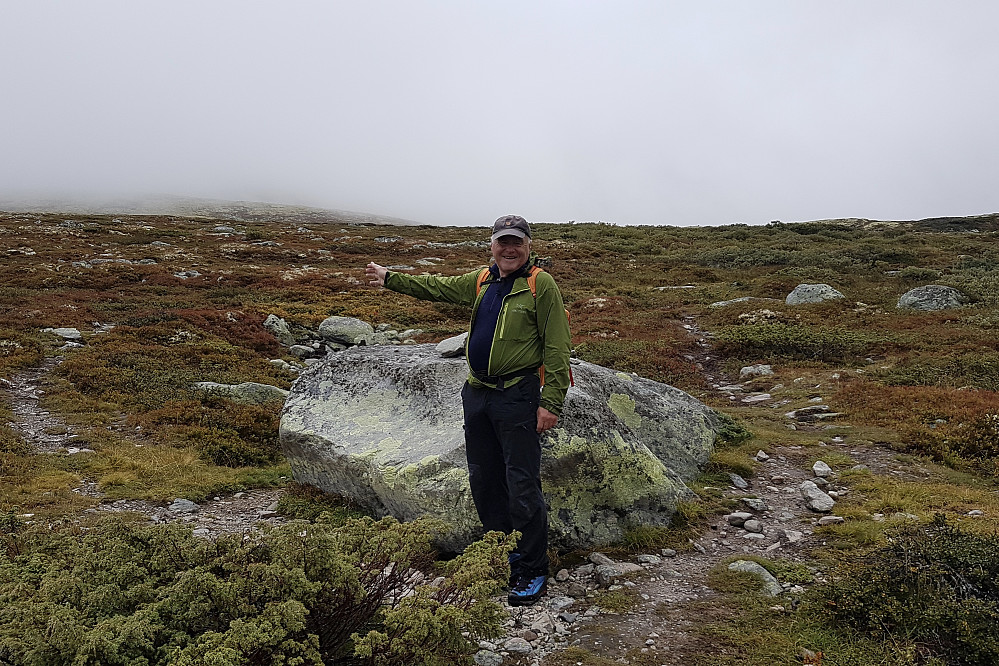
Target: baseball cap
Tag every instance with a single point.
(511, 225)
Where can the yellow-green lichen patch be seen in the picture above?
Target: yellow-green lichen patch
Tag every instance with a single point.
(623, 376)
(623, 407)
(588, 475)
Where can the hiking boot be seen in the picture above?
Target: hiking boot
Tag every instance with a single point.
(527, 588)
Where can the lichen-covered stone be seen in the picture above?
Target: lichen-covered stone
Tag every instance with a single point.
(346, 331)
(383, 426)
(932, 297)
(805, 294)
(249, 393)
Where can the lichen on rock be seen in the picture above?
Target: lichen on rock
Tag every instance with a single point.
(383, 426)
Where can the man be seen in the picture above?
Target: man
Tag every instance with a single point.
(518, 335)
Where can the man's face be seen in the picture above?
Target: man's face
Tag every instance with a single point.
(510, 253)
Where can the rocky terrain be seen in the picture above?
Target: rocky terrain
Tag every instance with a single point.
(663, 593)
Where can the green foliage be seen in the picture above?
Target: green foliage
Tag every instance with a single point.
(731, 432)
(979, 370)
(795, 342)
(936, 586)
(297, 594)
(304, 502)
(18, 350)
(225, 433)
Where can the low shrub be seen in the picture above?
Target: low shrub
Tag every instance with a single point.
(978, 370)
(18, 351)
(303, 593)
(794, 342)
(935, 586)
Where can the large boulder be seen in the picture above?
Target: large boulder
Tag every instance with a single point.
(932, 297)
(805, 294)
(383, 426)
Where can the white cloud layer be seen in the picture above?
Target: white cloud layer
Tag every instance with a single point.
(456, 112)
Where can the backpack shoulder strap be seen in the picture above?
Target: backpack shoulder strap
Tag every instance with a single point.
(483, 275)
(532, 280)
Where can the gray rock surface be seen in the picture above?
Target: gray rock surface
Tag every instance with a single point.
(932, 297)
(183, 506)
(815, 498)
(279, 329)
(760, 370)
(805, 294)
(452, 347)
(771, 586)
(65, 333)
(383, 426)
(249, 393)
(821, 468)
(347, 331)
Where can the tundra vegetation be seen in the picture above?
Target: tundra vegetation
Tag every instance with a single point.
(187, 302)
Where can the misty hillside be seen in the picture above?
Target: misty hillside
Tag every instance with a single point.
(228, 211)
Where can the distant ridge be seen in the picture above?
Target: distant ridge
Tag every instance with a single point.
(235, 211)
(987, 222)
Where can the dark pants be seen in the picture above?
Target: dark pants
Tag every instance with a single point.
(504, 465)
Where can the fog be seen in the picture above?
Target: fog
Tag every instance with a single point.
(456, 112)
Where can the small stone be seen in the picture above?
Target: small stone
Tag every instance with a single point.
(667, 552)
(820, 468)
(487, 658)
(772, 587)
(560, 602)
(756, 371)
(755, 503)
(567, 617)
(649, 559)
(529, 635)
(815, 498)
(599, 559)
(754, 526)
(738, 481)
(518, 646)
(762, 456)
(831, 520)
(738, 518)
(576, 590)
(975, 513)
(753, 536)
(562, 575)
(183, 506)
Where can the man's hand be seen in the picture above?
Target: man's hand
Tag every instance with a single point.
(546, 420)
(375, 274)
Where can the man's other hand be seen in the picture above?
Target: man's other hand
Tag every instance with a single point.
(546, 420)
(376, 274)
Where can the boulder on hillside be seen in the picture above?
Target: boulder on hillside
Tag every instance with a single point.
(932, 297)
(383, 426)
(346, 331)
(805, 294)
(248, 393)
(279, 329)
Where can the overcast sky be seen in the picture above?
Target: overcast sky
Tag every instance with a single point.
(459, 111)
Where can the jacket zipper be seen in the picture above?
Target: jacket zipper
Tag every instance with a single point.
(502, 326)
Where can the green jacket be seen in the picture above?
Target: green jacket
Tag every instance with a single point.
(530, 331)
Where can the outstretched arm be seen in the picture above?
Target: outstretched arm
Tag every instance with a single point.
(375, 274)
